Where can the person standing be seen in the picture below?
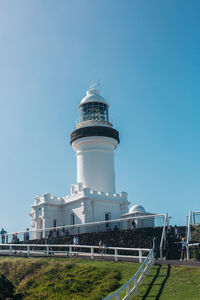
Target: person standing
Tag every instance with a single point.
(183, 249)
(100, 247)
(63, 231)
(15, 239)
(104, 248)
(75, 243)
(176, 232)
(133, 225)
(3, 232)
(26, 235)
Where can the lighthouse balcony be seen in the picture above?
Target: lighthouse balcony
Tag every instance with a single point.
(94, 122)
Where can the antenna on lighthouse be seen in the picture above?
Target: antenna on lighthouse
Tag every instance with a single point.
(95, 85)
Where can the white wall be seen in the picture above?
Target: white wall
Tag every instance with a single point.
(86, 205)
(95, 163)
(53, 213)
(76, 208)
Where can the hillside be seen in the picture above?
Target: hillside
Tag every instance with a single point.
(36, 278)
(57, 278)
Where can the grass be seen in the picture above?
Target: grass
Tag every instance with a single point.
(57, 278)
(77, 279)
(171, 282)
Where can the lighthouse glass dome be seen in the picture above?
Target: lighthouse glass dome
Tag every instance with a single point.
(96, 111)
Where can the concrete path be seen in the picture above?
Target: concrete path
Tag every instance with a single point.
(192, 263)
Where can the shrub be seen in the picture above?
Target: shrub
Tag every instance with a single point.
(6, 288)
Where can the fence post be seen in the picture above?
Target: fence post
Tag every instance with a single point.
(10, 250)
(92, 253)
(70, 251)
(161, 255)
(140, 256)
(28, 251)
(47, 250)
(116, 258)
(128, 295)
(147, 268)
(152, 259)
(188, 253)
(142, 275)
(136, 286)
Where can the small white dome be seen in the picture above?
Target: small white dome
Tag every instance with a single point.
(137, 209)
(93, 95)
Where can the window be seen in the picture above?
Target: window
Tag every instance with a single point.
(94, 111)
(72, 219)
(107, 218)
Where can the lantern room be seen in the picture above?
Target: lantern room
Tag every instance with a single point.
(93, 107)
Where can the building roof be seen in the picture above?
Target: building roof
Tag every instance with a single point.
(93, 95)
(137, 209)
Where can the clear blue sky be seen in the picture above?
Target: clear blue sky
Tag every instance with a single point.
(147, 56)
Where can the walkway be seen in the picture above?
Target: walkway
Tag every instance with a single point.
(192, 263)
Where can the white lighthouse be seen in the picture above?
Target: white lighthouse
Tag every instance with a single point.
(93, 198)
(94, 141)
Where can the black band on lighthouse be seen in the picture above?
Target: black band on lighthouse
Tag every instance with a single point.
(94, 131)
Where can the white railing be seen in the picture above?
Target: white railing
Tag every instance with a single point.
(93, 117)
(122, 224)
(163, 237)
(191, 221)
(190, 246)
(139, 276)
(188, 231)
(195, 215)
(194, 244)
(69, 250)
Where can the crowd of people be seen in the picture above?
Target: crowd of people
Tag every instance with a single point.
(14, 239)
(132, 238)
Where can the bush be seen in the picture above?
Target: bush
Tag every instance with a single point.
(196, 234)
(6, 288)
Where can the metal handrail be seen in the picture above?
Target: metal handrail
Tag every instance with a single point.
(193, 244)
(195, 213)
(142, 269)
(190, 222)
(95, 118)
(163, 237)
(48, 249)
(188, 232)
(90, 224)
(189, 227)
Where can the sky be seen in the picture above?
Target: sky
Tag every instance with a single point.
(146, 55)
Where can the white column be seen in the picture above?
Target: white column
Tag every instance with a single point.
(95, 163)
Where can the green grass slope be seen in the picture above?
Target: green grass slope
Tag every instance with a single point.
(55, 278)
(171, 282)
(60, 279)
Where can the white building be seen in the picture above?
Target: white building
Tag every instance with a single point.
(136, 213)
(94, 197)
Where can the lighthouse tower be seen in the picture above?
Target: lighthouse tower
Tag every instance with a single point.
(93, 198)
(94, 141)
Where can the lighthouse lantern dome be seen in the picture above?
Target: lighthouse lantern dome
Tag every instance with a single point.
(93, 107)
